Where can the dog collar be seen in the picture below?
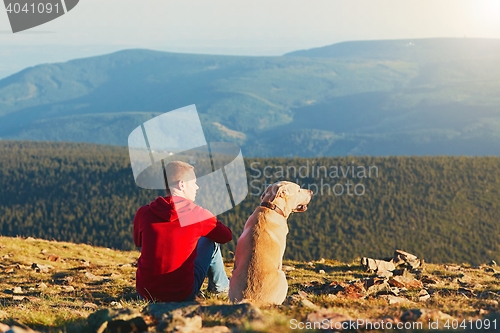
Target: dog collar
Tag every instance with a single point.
(274, 207)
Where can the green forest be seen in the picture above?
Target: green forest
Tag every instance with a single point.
(442, 209)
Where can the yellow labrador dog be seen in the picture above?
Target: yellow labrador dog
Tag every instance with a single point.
(257, 274)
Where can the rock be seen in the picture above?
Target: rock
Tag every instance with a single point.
(384, 273)
(492, 263)
(39, 268)
(176, 321)
(68, 279)
(116, 305)
(308, 304)
(381, 267)
(427, 280)
(402, 258)
(377, 286)
(20, 266)
(354, 290)
(492, 302)
(68, 289)
(17, 290)
(321, 261)
(452, 267)
(93, 277)
(53, 257)
(377, 265)
(465, 284)
(391, 319)
(89, 305)
(157, 310)
(321, 271)
(328, 288)
(19, 298)
(188, 325)
(488, 295)
(16, 328)
(424, 315)
(134, 325)
(407, 281)
(99, 320)
(423, 296)
(466, 292)
(296, 298)
(292, 300)
(34, 299)
(396, 300)
(395, 283)
(233, 313)
(168, 315)
(482, 312)
(334, 319)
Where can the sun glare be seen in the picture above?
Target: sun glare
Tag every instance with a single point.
(488, 12)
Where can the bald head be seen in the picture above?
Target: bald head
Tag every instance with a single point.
(178, 170)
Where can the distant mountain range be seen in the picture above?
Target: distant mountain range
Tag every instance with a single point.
(397, 97)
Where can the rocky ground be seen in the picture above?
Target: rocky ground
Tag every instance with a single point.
(63, 287)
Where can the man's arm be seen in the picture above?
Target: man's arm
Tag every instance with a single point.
(137, 227)
(220, 234)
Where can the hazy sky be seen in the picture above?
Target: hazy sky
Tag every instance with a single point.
(257, 27)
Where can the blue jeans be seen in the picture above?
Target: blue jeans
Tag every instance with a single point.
(208, 263)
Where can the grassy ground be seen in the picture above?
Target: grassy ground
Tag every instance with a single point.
(55, 286)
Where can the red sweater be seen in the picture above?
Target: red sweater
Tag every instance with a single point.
(165, 269)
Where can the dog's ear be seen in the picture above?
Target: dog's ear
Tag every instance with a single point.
(282, 192)
(274, 191)
(263, 194)
(270, 193)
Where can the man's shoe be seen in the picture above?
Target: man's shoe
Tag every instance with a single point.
(221, 293)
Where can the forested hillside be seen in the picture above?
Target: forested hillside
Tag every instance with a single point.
(443, 209)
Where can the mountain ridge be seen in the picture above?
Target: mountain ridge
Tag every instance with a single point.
(375, 101)
(376, 49)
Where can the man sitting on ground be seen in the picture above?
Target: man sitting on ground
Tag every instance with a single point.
(179, 242)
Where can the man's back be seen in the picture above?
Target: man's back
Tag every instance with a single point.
(165, 269)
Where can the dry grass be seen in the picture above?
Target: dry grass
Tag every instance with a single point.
(83, 279)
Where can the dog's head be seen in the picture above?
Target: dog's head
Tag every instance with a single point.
(288, 196)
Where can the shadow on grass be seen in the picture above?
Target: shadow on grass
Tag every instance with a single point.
(74, 326)
(331, 269)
